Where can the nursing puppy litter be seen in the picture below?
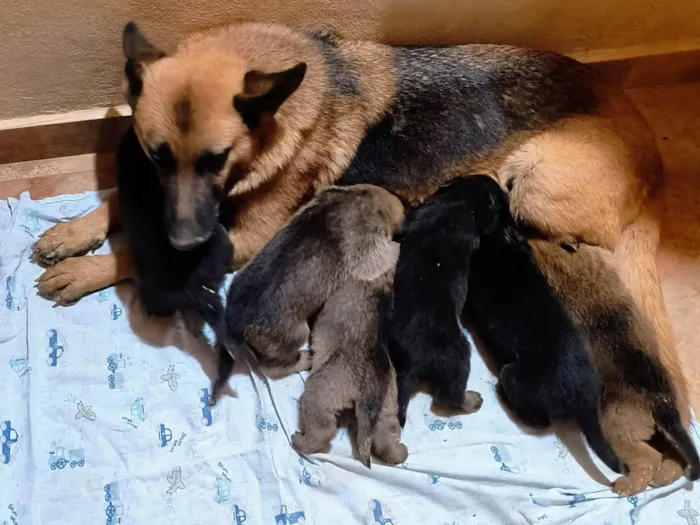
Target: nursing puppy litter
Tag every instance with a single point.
(643, 408)
(352, 370)
(342, 233)
(430, 289)
(546, 372)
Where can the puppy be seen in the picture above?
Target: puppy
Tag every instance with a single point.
(342, 233)
(169, 280)
(639, 407)
(546, 373)
(430, 289)
(351, 369)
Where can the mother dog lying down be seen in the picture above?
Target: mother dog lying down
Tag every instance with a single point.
(259, 116)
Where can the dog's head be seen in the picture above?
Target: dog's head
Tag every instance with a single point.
(198, 115)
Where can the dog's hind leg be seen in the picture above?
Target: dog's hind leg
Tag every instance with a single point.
(289, 359)
(317, 417)
(628, 427)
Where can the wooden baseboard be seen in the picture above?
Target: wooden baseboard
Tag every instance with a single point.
(99, 130)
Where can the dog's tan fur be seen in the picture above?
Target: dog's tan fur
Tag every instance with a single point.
(351, 370)
(583, 178)
(589, 285)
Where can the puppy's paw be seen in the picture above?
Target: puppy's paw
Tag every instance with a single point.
(300, 443)
(472, 402)
(66, 239)
(395, 454)
(305, 362)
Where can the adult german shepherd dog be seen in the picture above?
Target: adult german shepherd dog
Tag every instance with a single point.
(259, 116)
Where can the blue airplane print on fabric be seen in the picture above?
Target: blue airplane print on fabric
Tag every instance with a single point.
(13, 301)
(165, 436)
(433, 479)
(204, 405)
(290, 516)
(58, 459)
(576, 499)
(8, 437)
(499, 459)
(381, 515)
(115, 312)
(239, 515)
(114, 510)
(440, 425)
(56, 346)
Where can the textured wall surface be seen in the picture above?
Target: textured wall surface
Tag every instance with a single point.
(66, 56)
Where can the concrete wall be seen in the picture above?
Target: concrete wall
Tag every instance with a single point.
(66, 56)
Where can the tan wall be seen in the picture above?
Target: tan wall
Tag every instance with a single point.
(65, 56)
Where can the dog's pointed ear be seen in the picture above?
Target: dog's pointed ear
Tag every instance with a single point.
(138, 51)
(264, 93)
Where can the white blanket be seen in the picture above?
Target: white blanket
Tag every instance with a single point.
(105, 420)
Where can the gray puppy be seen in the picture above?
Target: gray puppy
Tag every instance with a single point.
(341, 234)
(352, 369)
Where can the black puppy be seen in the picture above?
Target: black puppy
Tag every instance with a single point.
(546, 373)
(169, 280)
(426, 339)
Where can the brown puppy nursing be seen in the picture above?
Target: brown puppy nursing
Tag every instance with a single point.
(343, 233)
(641, 405)
(352, 370)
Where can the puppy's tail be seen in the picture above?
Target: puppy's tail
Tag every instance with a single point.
(668, 419)
(367, 413)
(590, 427)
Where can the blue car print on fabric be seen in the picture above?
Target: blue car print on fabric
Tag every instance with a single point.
(58, 459)
(498, 459)
(13, 301)
(263, 425)
(138, 409)
(239, 515)
(223, 490)
(165, 435)
(55, 348)
(378, 514)
(285, 517)
(204, 400)
(114, 363)
(8, 437)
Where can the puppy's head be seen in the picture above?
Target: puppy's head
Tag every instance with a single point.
(484, 197)
(364, 218)
(197, 115)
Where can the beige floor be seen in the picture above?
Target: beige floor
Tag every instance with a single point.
(674, 113)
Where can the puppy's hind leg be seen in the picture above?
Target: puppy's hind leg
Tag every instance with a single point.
(449, 392)
(386, 443)
(317, 420)
(290, 360)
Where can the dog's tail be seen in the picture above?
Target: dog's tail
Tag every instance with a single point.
(590, 427)
(367, 413)
(668, 419)
(404, 386)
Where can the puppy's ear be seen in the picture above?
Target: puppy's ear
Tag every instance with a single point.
(377, 261)
(264, 93)
(137, 51)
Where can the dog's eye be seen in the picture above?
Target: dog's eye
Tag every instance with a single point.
(210, 162)
(162, 156)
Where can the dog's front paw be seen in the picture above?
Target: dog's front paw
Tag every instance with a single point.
(66, 239)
